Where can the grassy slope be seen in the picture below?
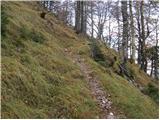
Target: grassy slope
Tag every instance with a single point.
(40, 81)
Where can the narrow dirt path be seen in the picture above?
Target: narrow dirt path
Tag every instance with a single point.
(97, 91)
(100, 95)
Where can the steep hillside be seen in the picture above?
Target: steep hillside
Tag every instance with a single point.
(44, 71)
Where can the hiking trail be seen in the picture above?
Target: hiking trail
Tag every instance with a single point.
(101, 97)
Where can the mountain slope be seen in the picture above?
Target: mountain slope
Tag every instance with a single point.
(40, 78)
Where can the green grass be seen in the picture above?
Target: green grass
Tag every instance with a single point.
(125, 96)
(39, 80)
(152, 91)
(4, 21)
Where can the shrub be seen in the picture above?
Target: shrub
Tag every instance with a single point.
(130, 71)
(4, 21)
(37, 37)
(103, 63)
(26, 59)
(152, 91)
(24, 32)
(31, 35)
(19, 44)
(96, 52)
(116, 67)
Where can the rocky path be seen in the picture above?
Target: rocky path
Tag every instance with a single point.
(101, 97)
(98, 93)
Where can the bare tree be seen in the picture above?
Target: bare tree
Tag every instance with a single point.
(78, 17)
(133, 48)
(125, 31)
(102, 15)
(81, 17)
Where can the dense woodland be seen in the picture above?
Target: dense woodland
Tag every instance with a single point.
(130, 27)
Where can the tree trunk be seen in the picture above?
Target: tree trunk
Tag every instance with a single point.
(85, 18)
(82, 15)
(78, 17)
(118, 22)
(133, 49)
(151, 73)
(156, 65)
(125, 31)
(81, 20)
(92, 19)
(145, 65)
(139, 32)
(143, 36)
(118, 35)
(109, 32)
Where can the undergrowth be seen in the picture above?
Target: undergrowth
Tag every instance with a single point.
(4, 21)
(42, 81)
(38, 80)
(152, 91)
(31, 35)
(97, 54)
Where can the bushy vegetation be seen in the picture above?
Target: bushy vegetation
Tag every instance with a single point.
(42, 81)
(124, 95)
(96, 53)
(31, 35)
(38, 80)
(4, 21)
(152, 91)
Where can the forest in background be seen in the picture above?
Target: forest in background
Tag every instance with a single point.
(130, 27)
(70, 59)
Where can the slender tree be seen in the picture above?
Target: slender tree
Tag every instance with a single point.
(133, 48)
(142, 36)
(92, 21)
(125, 31)
(81, 17)
(78, 17)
